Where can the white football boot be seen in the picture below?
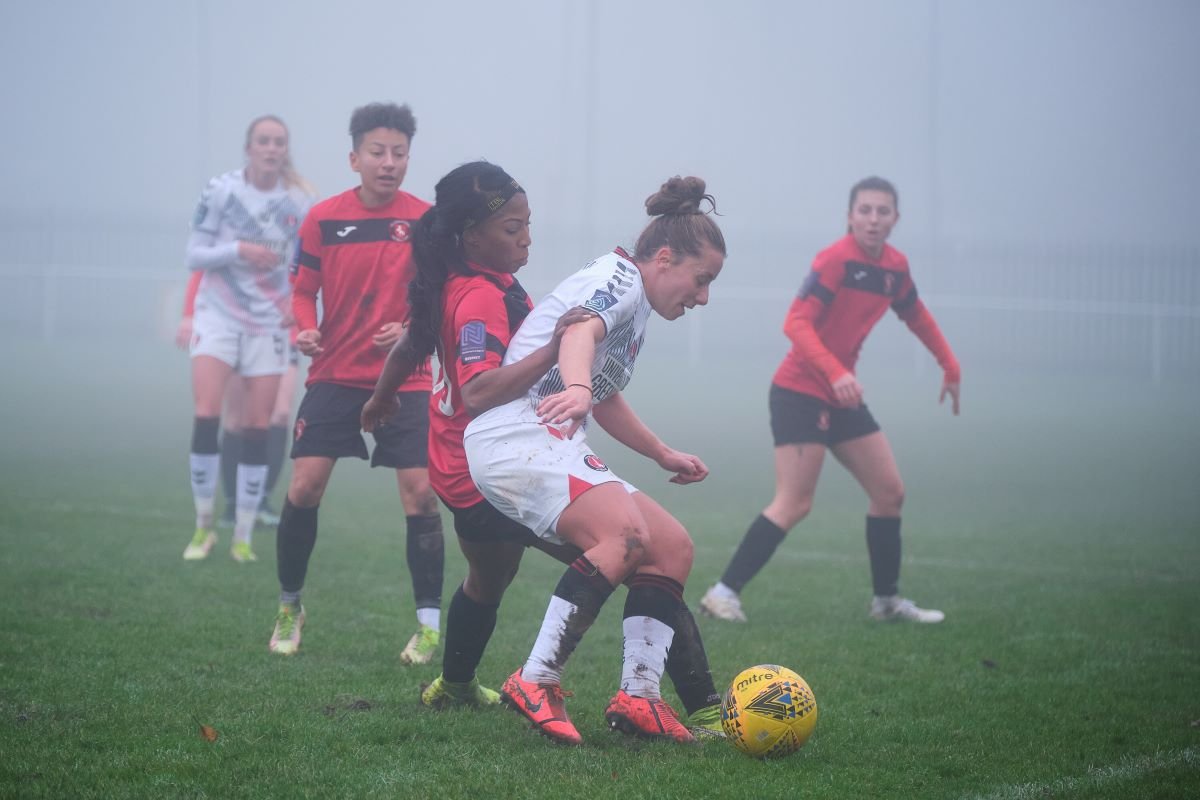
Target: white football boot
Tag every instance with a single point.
(890, 609)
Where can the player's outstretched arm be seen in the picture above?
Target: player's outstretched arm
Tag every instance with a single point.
(921, 322)
(618, 419)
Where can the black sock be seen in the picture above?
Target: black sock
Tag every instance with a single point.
(687, 664)
(231, 452)
(654, 596)
(204, 435)
(687, 661)
(584, 587)
(883, 546)
(426, 558)
(294, 543)
(756, 549)
(469, 626)
(277, 436)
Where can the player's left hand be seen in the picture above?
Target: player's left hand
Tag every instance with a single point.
(388, 335)
(687, 467)
(950, 388)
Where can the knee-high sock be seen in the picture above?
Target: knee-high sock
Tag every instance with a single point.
(756, 549)
(251, 479)
(650, 610)
(687, 664)
(277, 436)
(883, 547)
(231, 453)
(469, 627)
(577, 600)
(426, 563)
(203, 463)
(294, 542)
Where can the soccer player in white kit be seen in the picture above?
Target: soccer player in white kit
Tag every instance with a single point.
(531, 459)
(243, 236)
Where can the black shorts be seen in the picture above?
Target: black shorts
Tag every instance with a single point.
(798, 418)
(328, 424)
(482, 522)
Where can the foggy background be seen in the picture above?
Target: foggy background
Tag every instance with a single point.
(1045, 152)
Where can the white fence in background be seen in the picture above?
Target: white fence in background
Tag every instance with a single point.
(1123, 310)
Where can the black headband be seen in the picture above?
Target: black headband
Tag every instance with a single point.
(493, 204)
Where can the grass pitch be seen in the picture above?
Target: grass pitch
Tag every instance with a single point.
(1055, 522)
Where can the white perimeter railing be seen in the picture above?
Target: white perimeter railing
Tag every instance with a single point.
(1160, 340)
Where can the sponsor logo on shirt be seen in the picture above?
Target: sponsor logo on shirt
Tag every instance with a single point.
(472, 342)
(346, 231)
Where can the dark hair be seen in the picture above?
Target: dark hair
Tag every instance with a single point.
(874, 183)
(678, 221)
(381, 115)
(466, 195)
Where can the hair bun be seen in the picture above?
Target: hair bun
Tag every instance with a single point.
(679, 196)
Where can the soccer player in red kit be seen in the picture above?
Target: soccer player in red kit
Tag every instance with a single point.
(817, 403)
(467, 304)
(356, 253)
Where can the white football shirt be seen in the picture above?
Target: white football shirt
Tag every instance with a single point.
(611, 286)
(234, 295)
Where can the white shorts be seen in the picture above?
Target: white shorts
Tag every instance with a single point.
(531, 473)
(249, 354)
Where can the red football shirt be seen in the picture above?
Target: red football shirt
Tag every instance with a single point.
(842, 298)
(359, 260)
(480, 314)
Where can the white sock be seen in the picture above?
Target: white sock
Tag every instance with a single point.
(204, 468)
(647, 641)
(250, 481)
(542, 667)
(430, 617)
(721, 590)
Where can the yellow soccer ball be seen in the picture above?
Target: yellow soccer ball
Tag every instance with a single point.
(768, 711)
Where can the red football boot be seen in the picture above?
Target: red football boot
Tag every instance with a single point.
(542, 705)
(641, 716)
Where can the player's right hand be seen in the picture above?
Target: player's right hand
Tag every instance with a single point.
(309, 342)
(848, 391)
(378, 410)
(570, 405)
(258, 256)
(183, 334)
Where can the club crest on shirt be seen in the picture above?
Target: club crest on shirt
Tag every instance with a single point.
(592, 461)
(399, 230)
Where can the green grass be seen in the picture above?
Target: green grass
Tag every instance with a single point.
(1055, 523)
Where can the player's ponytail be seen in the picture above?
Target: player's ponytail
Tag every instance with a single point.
(465, 196)
(679, 223)
(434, 249)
